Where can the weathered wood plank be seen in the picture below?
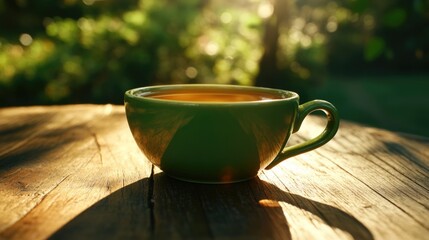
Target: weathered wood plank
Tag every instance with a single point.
(389, 202)
(123, 214)
(200, 211)
(75, 172)
(57, 161)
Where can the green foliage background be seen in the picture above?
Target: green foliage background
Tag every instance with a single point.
(72, 51)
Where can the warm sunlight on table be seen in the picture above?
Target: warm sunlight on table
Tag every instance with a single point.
(74, 172)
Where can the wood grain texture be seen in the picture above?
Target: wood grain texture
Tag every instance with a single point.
(58, 161)
(74, 172)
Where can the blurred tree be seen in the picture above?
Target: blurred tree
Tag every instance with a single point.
(294, 55)
(269, 71)
(72, 51)
(93, 53)
(383, 36)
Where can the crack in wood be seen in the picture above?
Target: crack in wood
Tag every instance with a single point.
(97, 143)
(52, 189)
(36, 204)
(151, 201)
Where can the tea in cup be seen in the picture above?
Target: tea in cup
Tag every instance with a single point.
(209, 133)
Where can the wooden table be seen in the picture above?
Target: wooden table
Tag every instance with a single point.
(74, 172)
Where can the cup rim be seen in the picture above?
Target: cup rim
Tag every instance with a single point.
(285, 95)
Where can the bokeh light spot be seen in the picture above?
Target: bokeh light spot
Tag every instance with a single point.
(265, 10)
(331, 26)
(88, 2)
(25, 39)
(226, 17)
(211, 48)
(191, 72)
(311, 28)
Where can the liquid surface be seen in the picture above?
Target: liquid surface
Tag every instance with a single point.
(215, 96)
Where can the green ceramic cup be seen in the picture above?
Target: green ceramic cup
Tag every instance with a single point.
(219, 141)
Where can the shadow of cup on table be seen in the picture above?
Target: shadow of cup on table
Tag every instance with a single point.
(164, 208)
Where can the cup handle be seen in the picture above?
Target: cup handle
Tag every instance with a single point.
(327, 134)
